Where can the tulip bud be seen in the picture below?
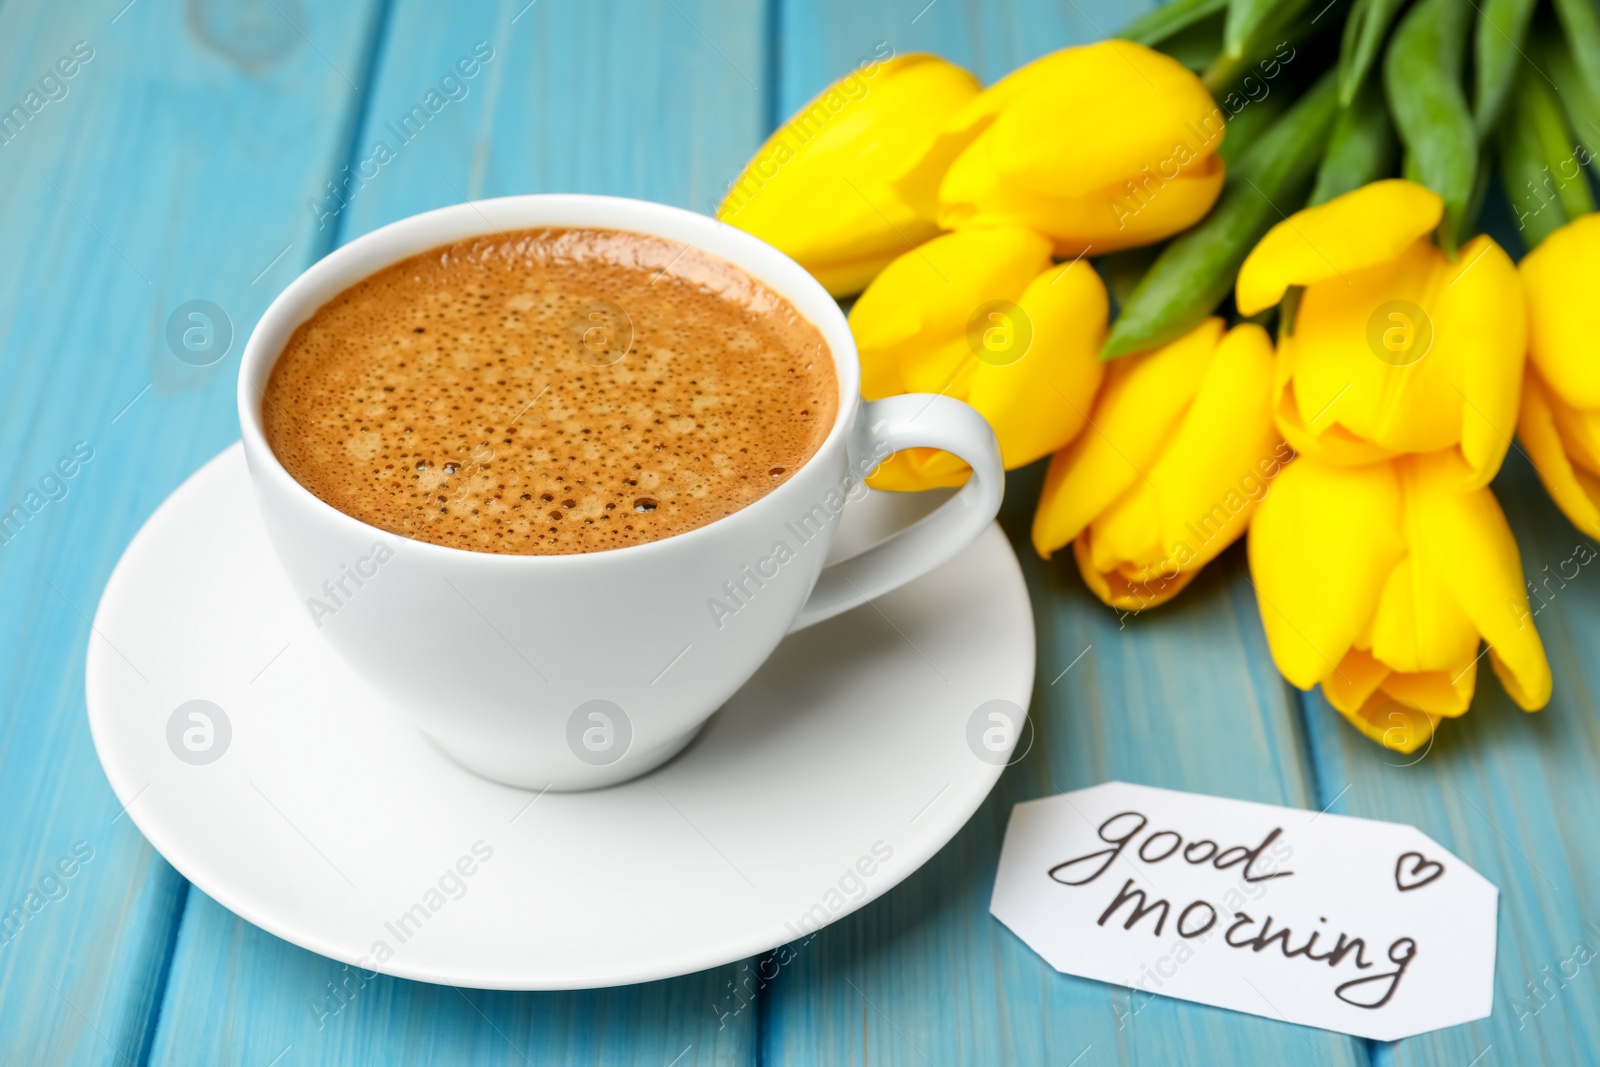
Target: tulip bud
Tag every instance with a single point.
(1394, 349)
(1380, 581)
(1560, 421)
(1181, 453)
(982, 316)
(1100, 147)
(819, 188)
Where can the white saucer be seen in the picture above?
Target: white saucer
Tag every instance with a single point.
(326, 818)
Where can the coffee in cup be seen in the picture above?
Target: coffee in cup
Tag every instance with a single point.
(550, 391)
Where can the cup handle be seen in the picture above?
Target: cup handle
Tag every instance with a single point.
(915, 420)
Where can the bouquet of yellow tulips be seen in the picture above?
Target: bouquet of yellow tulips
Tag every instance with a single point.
(1223, 270)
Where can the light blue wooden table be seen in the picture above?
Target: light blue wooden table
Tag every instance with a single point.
(181, 163)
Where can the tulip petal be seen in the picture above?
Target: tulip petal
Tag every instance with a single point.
(1139, 405)
(935, 368)
(1209, 475)
(1447, 692)
(918, 182)
(1580, 432)
(1118, 590)
(1100, 115)
(1411, 355)
(1470, 547)
(1559, 281)
(846, 275)
(1084, 96)
(1361, 375)
(1575, 491)
(1322, 545)
(917, 469)
(1319, 435)
(1361, 229)
(1122, 215)
(1359, 676)
(1102, 147)
(1039, 403)
(913, 328)
(1391, 724)
(927, 294)
(819, 188)
(1482, 335)
(1418, 626)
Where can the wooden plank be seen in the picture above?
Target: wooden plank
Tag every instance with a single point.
(1515, 796)
(820, 39)
(1183, 697)
(239, 995)
(661, 102)
(171, 165)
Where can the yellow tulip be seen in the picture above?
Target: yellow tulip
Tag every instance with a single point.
(1180, 453)
(1379, 581)
(819, 189)
(1100, 147)
(981, 315)
(1560, 423)
(1394, 349)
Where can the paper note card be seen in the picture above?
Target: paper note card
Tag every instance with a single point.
(1368, 928)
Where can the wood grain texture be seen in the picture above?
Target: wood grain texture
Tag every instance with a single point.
(592, 98)
(171, 169)
(663, 101)
(240, 995)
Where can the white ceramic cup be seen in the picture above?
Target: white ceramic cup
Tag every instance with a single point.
(577, 671)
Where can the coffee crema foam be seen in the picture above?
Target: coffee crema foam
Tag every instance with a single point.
(484, 395)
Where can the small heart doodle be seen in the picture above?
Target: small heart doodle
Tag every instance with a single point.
(1421, 871)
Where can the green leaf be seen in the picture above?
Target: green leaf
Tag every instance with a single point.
(1245, 128)
(1580, 24)
(1422, 78)
(1283, 27)
(1195, 271)
(1361, 150)
(1246, 18)
(1197, 46)
(1502, 30)
(1581, 105)
(1169, 20)
(1540, 162)
(1363, 34)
